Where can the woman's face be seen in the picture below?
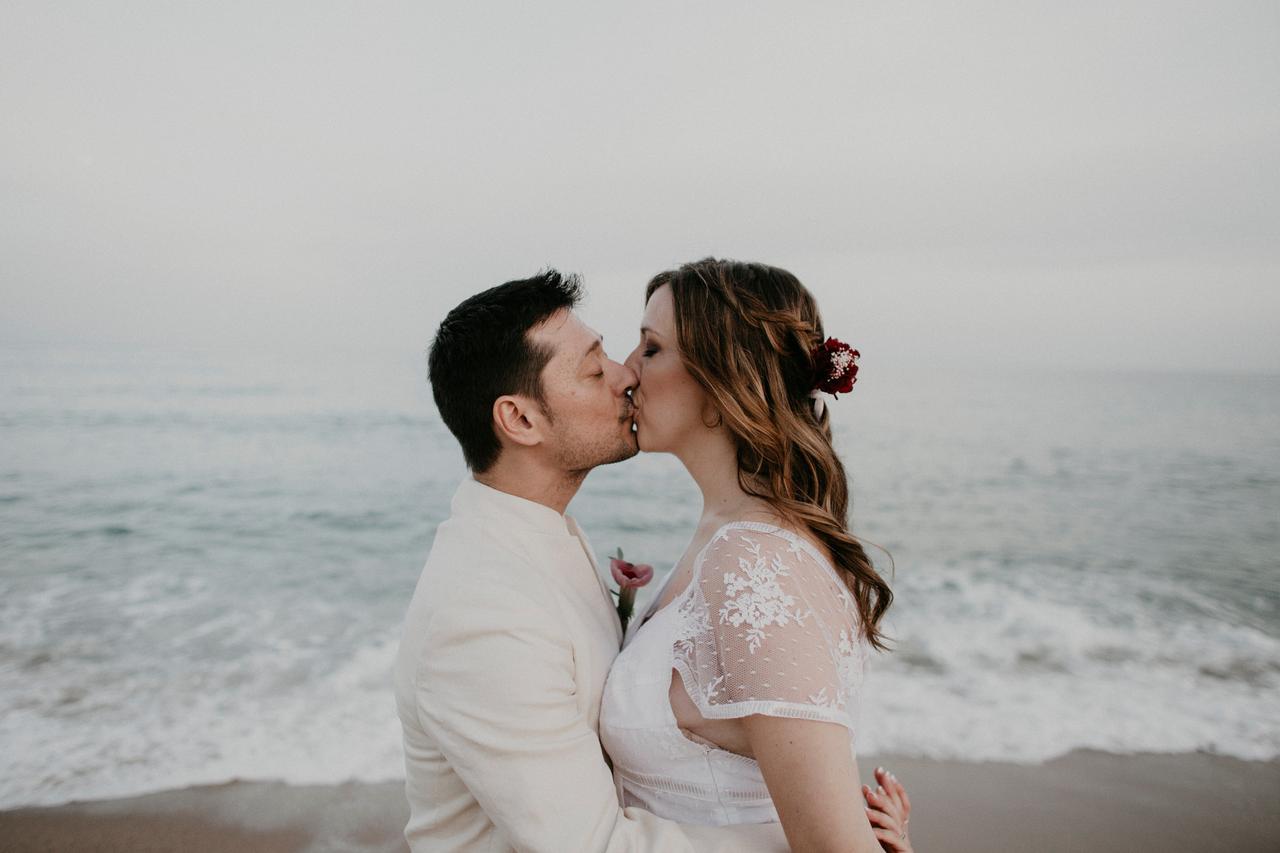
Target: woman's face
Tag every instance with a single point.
(669, 402)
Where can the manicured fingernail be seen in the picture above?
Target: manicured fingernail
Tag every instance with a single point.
(879, 769)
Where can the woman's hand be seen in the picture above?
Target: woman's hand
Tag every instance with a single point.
(889, 811)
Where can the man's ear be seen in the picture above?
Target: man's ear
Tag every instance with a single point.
(518, 419)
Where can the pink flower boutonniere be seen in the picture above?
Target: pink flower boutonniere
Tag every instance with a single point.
(629, 577)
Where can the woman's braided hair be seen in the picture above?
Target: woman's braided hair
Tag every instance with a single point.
(746, 332)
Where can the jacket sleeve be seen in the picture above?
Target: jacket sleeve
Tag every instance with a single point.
(496, 690)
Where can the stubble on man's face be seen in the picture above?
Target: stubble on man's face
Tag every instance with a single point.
(590, 421)
(584, 446)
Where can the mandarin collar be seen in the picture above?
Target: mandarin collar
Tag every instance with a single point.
(475, 498)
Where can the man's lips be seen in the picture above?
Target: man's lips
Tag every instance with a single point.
(629, 415)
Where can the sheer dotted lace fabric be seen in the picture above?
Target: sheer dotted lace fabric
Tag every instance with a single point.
(767, 627)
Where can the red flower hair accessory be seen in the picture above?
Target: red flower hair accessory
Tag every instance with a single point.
(835, 369)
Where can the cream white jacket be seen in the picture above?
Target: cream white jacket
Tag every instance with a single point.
(505, 650)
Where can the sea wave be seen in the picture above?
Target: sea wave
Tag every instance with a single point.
(197, 592)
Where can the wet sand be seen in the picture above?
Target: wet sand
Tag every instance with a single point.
(1085, 801)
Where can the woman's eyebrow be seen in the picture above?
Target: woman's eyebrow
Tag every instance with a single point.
(645, 330)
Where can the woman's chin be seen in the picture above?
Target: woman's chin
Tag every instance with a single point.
(646, 440)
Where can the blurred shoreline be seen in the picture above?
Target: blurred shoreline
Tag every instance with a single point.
(1086, 800)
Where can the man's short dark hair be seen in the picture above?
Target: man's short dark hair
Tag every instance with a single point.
(482, 351)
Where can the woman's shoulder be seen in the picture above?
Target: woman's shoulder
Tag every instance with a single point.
(761, 582)
(765, 536)
(750, 555)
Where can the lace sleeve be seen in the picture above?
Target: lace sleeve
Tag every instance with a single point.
(769, 629)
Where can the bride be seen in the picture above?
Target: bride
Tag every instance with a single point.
(735, 697)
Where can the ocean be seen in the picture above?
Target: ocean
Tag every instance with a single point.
(205, 558)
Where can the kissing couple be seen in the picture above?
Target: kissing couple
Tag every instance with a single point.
(723, 716)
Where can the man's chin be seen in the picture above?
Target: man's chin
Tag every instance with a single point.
(629, 448)
(620, 452)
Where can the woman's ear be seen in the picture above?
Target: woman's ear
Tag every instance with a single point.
(711, 417)
(517, 419)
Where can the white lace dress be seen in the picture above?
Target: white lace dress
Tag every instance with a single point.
(765, 626)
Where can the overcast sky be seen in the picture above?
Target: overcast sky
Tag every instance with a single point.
(1018, 183)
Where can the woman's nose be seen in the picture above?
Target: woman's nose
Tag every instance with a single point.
(633, 363)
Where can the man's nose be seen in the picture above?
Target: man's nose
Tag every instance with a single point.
(626, 377)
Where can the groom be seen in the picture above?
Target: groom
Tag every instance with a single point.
(511, 630)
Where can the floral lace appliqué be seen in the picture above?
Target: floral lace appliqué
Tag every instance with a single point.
(848, 659)
(755, 599)
(693, 621)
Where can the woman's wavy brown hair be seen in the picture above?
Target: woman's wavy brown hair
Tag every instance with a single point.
(746, 332)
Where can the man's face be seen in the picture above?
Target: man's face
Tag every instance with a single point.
(586, 395)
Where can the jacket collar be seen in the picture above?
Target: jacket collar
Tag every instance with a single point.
(475, 498)
(513, 513)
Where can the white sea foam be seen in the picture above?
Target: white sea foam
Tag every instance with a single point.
(981, 673)
(986, 673)
(341, 727)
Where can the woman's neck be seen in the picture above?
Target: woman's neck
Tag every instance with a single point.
(712, 461)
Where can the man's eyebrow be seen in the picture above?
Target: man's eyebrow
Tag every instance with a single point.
(595, 345)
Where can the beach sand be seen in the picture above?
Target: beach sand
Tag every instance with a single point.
(1085, 801)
